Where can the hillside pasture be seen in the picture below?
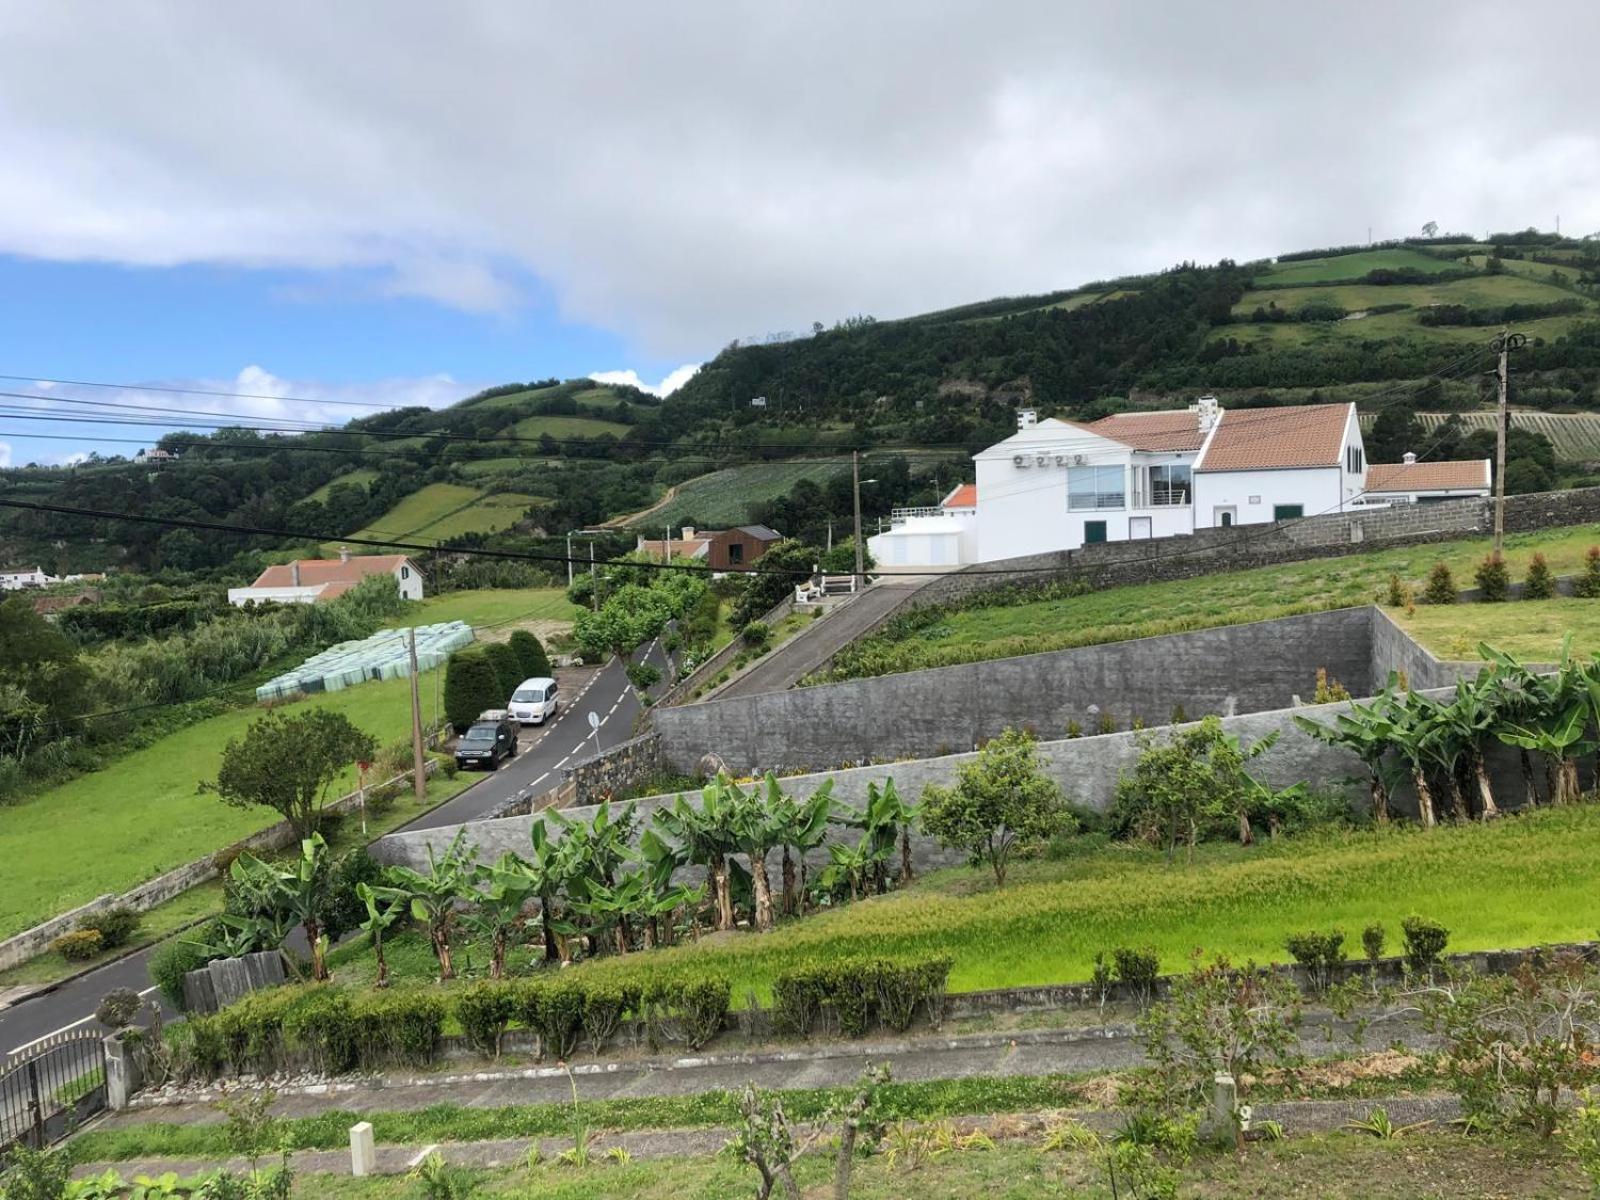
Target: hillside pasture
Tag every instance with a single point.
(1480, 291)
(361, 476)
(481, 607)
(445, 510)
(1350, 266)
(566, 427)
(725, 497)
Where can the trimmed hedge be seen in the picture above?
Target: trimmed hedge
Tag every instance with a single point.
(531, 654)
(861, 992)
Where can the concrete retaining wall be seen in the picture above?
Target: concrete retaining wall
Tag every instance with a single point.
(1227, 670)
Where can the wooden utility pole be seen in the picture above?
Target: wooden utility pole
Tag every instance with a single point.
(666, 545)
(419, 774)
(1505, 344)
(855, 476)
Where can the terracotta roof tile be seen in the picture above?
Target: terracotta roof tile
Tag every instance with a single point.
(1428, 476)
(1262, 439)
(314, 571)
(1169, 429)
(965, 496)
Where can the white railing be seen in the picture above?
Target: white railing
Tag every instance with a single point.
(899, 516)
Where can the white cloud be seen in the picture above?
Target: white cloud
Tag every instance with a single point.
(66, 460)
(746, 168)
(630, 378)
(5, 454)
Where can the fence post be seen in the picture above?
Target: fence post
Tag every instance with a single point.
(35, 1108)
(363, 1153)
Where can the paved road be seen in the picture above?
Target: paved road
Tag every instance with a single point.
(566, 739)
(821, 640)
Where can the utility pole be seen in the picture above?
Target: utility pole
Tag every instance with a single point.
(1505, 344)
(569, 558)
(666, 545)
(419, 775)
(594, 584)
(855, 477)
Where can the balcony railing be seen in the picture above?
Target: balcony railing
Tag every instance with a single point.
(899, 516)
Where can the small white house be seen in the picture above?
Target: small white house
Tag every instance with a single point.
(15, 581)
(1413, 482)
(1058, 485)
(312, 580)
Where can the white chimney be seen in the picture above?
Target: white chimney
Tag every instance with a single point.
(294, 572)
(688, 533)
(344, 554)
(1408, 458)
(1206, 413)
(1027, 418)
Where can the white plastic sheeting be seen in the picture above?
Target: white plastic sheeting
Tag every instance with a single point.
(384, 655)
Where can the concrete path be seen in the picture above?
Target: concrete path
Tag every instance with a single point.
(813, 646)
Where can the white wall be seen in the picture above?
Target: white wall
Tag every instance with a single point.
(1317, 490)
(239, 597)
(921, 542)
(410, 581)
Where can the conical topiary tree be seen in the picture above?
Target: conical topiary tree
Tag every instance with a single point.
(530, 653)
(1441, 586)
(1493, 579)
(1540, 584)
(507, 669)
(470, 686)
(1587, 585)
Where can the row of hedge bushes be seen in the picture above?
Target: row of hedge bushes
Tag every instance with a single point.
(861, 992)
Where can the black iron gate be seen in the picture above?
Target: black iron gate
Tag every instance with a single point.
(49, 1088)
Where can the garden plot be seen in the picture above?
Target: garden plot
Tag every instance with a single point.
(384, 655)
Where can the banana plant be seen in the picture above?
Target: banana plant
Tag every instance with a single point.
(1471, 718)
(1367, 731)
(299, 891)
(1560, 739)
(507, 887)
(706, 835)
(385, 906)
(1414, 736)
(805, 828)
(887, 816)
(659, 862)
(433, 896)
(234, 935)
(757, 829)
(852, 865)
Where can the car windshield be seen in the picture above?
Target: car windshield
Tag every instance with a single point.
(479, 735)
(528, 695)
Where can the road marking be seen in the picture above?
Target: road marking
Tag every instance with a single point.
(80, 1021)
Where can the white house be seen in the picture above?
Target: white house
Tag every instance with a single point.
(1058, 485)
(1413, 482)
(15, 581)
(311, 580)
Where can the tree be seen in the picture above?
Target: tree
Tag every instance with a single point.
(43, 676)
(1367, 731)
(507, 671)
(287, 762)
(530, 654)
(1430, 229)
(758, 829)
(384, 907)
(434, 896)
(1186, 779)
(497, 910)
(1001, 802)
(776, 574)
(471, 685)
(706, 835)
(297, 891)
(805, 827)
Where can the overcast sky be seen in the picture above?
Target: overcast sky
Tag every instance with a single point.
(363, 193)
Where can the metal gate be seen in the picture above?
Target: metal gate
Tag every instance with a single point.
(51, 1087)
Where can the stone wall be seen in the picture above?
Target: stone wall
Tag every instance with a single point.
(680, 692)
(1226, 670)
(617, 769)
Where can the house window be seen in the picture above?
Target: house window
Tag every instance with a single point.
(405, 572)
(1354, 459)
(1169, 484)
(1093, 531)
(735, 553)
(1288, 512)
(1095, 487)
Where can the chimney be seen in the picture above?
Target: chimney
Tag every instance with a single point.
(1027, 418)
(344, 554)
(1206, 413)
(688, 533)
(1408, 458)
(294, 572)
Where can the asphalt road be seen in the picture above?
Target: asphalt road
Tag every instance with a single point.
(568, 738)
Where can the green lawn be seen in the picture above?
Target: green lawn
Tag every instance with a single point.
(490, 606)
(567, 427)
(1350, 266)
(1533, 630)
(361, 475)
(1144, 610)
(142, 815)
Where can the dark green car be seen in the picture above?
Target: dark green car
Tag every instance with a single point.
(485, 743)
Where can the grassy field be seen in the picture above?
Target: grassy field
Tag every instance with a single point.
(142, 815)
(1480, 291)
(567, 427)
(1288, 334)
(1533, 630)
(1116, 614)
(361, 475)
(724, 498)
(444, 510)
(1350, 266)
(490, 606)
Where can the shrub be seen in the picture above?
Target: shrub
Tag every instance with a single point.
(322, 1027)
(1493, 580)
(78, 946)
(1001, 802)
(1074, 730)
(691, 1011)
(757, 635)
(470, 686)
(116, 926)
(1320, 953)
(1137, 971)
(1540, 584)
(797, 999)
(1441, 587)
(535, 663)
(1373, 938)
(507, 670)
(1587, 585)
(1328, 690)
(554, 1010)
(1398, 594)
(1106, 724)
(604, 1006)
(399, 1026)
(484, 1010)
(1424, 941)
(643, 676)
(118, 1008)
(174, 959)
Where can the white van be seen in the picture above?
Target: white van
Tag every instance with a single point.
(534, 701)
